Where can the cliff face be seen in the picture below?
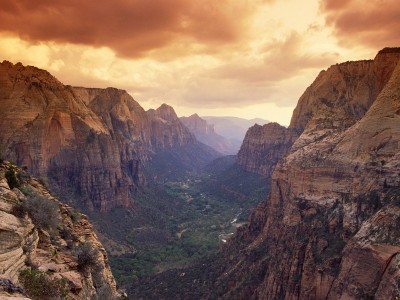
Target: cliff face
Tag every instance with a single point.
(206, 134)
(167, 131)
(197, 125)
(55, 134)
(28, 243)
(336, 100)
(329, 229)
(263, 146)
(91, 144)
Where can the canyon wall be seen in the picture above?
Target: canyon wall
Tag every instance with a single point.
(28, 241)
(337, 99)
(88, 143)
(263, 146)
(329, 229)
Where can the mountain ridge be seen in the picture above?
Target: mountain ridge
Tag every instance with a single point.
(95, 140)
(206, 134)
(328, 222)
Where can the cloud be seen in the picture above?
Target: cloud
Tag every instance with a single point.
(197, 55)
(273, 76)
(130, 27)
(280, 59)
(372, 23)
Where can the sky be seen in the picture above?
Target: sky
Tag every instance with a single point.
(244, 58)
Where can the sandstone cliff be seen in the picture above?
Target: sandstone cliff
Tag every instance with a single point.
(263, 146)
(167, 131)
(329, 229)
(177, 151)
(206, 134)
(91, 144)
(48, 254)
(337, 99)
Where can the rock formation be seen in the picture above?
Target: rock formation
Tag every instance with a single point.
(167, 131)
(90, 144)
(337, 99)
(263, 146)
(27, 244)
(206, 134)
(329, 229)
(233, 128)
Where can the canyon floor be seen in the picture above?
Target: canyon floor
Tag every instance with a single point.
(180, 219)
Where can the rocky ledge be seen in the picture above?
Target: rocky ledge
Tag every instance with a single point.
(47, 249)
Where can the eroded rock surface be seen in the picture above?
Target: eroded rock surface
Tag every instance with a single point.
(25, 245)
(89, 143)
(330, 227)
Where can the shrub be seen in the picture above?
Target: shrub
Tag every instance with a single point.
(68, 235)
(87, 257)
(43, 212)
(11, 177)
(39, 285)
(19, 210)
(74, 215)
(26, 190)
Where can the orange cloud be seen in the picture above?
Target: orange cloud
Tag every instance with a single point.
(129, 27)
(280, 60)
(372, 23)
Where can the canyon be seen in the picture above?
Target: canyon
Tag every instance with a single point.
(206, 134)
(88, 143)
(329, 228)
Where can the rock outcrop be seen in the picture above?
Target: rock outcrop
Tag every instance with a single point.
(27, 244)
(167, 131)
(263, 146)
(206, 134)
(336, 100)
(89, 143)
(329, 229)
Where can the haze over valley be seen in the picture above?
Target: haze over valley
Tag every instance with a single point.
(199, 150)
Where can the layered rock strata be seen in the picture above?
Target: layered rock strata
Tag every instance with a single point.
(263, 146)
(336, 100)
(89, 143)
(53, 250)
(329, 229)
(167, 131)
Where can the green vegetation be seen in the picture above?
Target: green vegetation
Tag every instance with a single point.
(11, 177)
(87, 258)
(43, 212)
(41, 286)
(27, 190)
(178, 222)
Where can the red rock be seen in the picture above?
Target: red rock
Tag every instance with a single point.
(345, 167)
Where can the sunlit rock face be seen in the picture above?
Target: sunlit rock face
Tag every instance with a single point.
(337, 99)
(263, 146)
(167, 130)
(89, 143)
(330, 227)
(24, 244)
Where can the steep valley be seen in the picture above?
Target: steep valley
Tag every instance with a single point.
(329, 228)
(311, 211)
(178, 222)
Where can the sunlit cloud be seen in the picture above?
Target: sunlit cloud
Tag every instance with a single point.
(247, 58)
